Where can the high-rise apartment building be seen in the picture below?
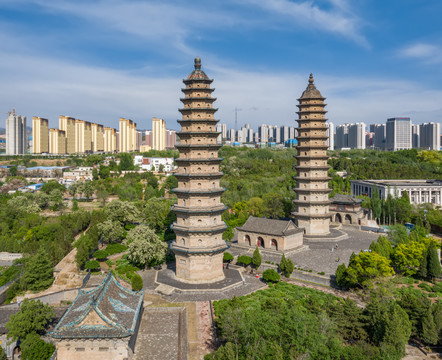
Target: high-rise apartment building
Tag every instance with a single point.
(110, 140)
(127, 135)
(231, 135)
(356, 136)
(67, 124)
(341, 140)
(148, 138)
(430, 136)
(57, 142)
(331, 135)
(83, 137)
(97, 137)
(415, 136)
(263, 131)
(379, 131)
(15, 134)
(170, 139)
(398, 134)
(158, 134)
(40, 135)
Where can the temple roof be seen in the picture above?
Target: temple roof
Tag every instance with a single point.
(108, 311)
(270, 226)
(311, 92)
(198, 74)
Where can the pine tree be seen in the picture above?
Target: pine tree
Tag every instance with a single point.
(434, 269)
(289, 267)
(429, 329)
(39, 272)
(373, 247)
(256, 259)
(282, 264)
(340, 275)
(423, 265)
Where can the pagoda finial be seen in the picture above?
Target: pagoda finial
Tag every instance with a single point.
(197, 63)
(310, 79)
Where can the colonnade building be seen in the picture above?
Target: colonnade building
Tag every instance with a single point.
(419, 191)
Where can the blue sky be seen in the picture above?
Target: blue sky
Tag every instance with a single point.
(98, 60)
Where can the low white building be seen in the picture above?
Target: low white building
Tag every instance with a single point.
(419, 191)
(82, 173)
(154, 163)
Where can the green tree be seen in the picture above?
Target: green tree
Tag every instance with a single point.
(3, 354)
(145, 247)
(289, 267)
(137, 282)
(341, 276)
(244, 259)
(34, 348)
(283, 264)
(256, 259)
(92, 265)
(156, 213)
(434, 268)
(273, 205)
(56, 199)
(95, 174)
(13, 170)
(255, 206)
(33, 317)
(101, 254)
(422, 272)
(122, 211)
(270, 275)
(404, 208)
(88, 189)
(407, 257)
(52, 185)
(227, 257)
(366, 267)
(126, 162)
(38, 274)
(376, 204)
(110, 231)
(429, 329)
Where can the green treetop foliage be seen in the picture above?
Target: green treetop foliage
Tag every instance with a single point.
(137, 282)
(33, 317)
(429, 329)
(407, 257)
(227, 257)
(270, 275)
(283, 264)
(157, 213)
(244, 259)
(256, 259)
(433, 263)
(34, 348)
(38, 274)
(111, 231)
(145, 247)
(289, 267)
(52, 185)
(366, 267)
(126, 162)
(123, 212)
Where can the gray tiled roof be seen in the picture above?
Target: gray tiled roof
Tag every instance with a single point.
(116, 306)
(270, 226)
(346, 199)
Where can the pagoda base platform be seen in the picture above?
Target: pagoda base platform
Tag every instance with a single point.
(334, 235)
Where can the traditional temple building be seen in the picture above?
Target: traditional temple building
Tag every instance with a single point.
(312, 203)
(100, 324)
(199, 244)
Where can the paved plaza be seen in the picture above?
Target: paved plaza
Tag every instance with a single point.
(319, 255)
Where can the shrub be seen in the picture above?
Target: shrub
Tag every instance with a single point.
(426, 287)
(101, 254)
(137, 282)
(115, 248)
(227, 257)
(270, 275)
(109, 263)
(289, 267)
(92, 265)
(321, 273)
(244, 259)
(437, 287)
(257, 259)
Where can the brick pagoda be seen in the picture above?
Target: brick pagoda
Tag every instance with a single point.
(199, 245)
(312, 203)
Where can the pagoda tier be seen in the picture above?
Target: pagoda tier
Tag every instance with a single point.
(199, 245)
(312, 202)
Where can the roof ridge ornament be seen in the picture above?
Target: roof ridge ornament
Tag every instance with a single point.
(197, 63)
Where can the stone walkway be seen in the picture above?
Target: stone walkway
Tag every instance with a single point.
(162, 335)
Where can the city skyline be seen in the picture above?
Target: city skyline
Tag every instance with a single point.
(87, 60)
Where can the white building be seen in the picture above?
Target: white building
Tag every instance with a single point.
(430, 136)
(356, 136)
(398, 134)
(154, 163)
(419, 191)
(15, 134)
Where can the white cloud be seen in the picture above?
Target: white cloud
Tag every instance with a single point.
(339, 19)
(428, 53)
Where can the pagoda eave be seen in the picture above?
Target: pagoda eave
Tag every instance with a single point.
(199, 210)
(191, 89)
(194, 98)
(188, 134)
(198, 191)
(312, 167)
(198, 146)
(305, 190)
(310, 216)
(189, 109)
(197, 250)
(198, 160)
(199, 229)
(310, 99)
(216, 175)
(312, 203)
(312, 178)
(197, 80)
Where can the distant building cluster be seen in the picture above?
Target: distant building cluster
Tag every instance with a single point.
(396, 134)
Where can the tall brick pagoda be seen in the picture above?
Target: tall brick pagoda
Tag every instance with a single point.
(199, 245)
(312, 203)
